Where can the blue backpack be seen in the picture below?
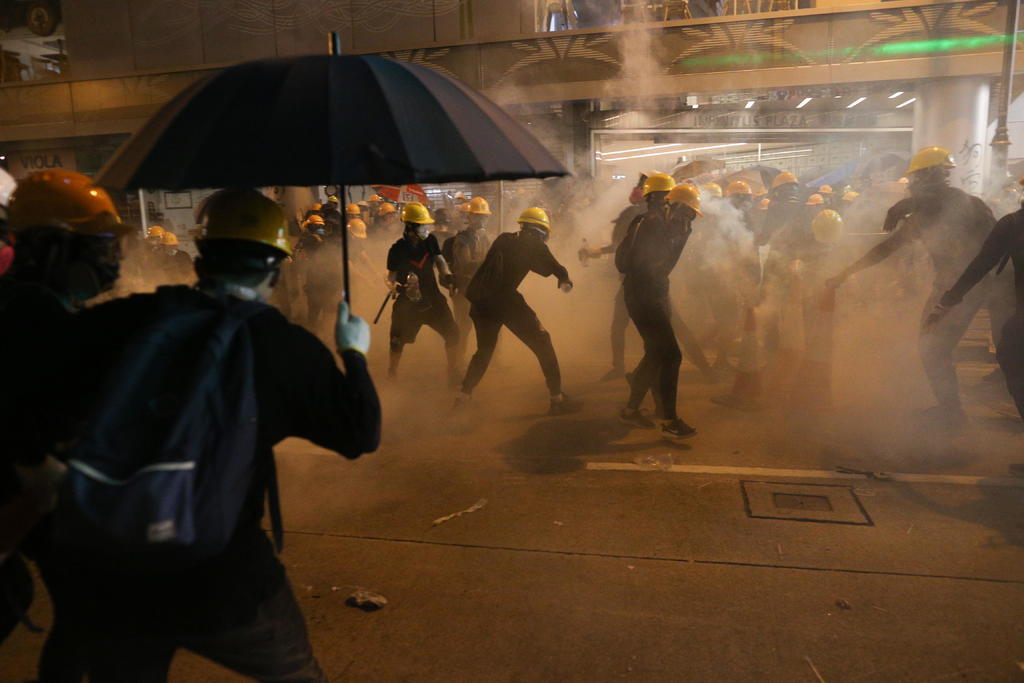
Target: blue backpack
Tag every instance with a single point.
(160, 477)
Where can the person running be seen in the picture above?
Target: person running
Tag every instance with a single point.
(645, 257)
(495, 302)
(418, 299)
(951, 225)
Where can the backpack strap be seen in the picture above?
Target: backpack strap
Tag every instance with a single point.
(274, 505)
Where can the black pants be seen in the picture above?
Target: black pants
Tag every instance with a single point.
(1011, 358)
(658, 370)
(512, 311)
(407, 317)
(620, 321)
(273, 647)
(938, 343)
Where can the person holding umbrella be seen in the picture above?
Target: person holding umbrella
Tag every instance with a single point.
(418, 299)
(495, 302)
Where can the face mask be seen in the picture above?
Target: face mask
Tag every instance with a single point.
(422, 232)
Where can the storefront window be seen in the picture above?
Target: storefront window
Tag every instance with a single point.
(32, 45)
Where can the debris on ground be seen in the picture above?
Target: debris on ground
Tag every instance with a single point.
(814, 669)
(843, 604)
(879, 476)
(660, 461)
(472, 508)
(366, 600)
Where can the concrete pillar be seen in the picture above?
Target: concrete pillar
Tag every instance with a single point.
(953, 113)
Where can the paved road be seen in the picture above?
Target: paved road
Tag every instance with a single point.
(591, 561)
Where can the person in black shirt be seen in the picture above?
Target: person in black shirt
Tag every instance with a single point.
(237, 608)
(67, 235)
(1004, 244)
(495, 301)
(951, 225)
(646, 256)
(467, 249)
(331, 214)
(418, 300)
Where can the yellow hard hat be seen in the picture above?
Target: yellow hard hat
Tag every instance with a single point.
(357, 228)
(784, 178)
(738, 187)
(905, 180)
(154, 231)
(332, 199)
(415, 212)
(479, 205)
(815, 200)
(685, 194)
(375, 198)
(658, 182)
(827, 227)
(385, 209)
(68, 197)
(316, 219)
(169, 239)
(825, 189)
(536, 216)
(246, 215)
(930, 157)
(713, 189)
(850, 196)
(317, 207)
(353, 210)
(765, 203)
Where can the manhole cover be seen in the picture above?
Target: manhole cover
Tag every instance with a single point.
(803, 502)
(793, 501)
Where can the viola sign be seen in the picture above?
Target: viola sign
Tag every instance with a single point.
(23, 162)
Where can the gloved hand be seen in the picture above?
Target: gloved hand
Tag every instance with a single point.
(565, 286)
(351, 331)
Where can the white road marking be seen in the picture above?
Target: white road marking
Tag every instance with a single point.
(960, 480)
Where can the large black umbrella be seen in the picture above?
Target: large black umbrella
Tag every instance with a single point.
(327, 120)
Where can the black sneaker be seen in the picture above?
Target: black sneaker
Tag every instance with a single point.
(635, 418)
(677, 429)
(563, 405)
(613, 374)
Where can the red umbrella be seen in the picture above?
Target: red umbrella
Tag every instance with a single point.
(402, 193)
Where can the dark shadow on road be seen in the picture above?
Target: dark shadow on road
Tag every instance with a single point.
(997, 508)
(556, 446)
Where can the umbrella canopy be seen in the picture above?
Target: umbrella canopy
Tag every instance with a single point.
(326, 119)
(835, 176)
(696, 168)
(405, 193)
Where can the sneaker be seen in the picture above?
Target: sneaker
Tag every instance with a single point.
(563, 405)
(677, 429)
(613, 374)
(635, 418)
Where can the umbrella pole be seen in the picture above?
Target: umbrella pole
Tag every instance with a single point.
(334, 40)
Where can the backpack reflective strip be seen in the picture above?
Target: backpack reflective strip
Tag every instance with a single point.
(93, 473)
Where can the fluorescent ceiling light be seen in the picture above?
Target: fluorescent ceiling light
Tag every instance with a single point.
(910, 101)
(641, 149)
(857, 101)
(804, 103)
(895, 94)
(673, 151)
(750, 103)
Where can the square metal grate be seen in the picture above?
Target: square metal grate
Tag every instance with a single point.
(830, 503)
